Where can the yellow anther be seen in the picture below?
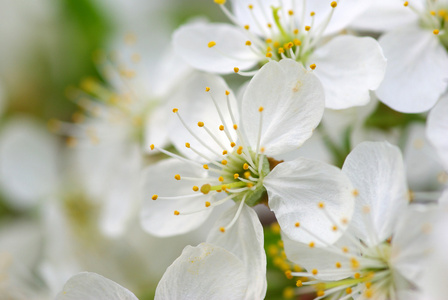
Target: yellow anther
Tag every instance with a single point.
(251, 6)
(321, 205)
(261, 108)
(288, 274)
(207, 204)
(348, 290)
(296, 31)
(205, 189)
(299, 283)
(357, 275)
(307, 28)
(221, 127)
(246, 27)
(187, 145)
(235, 126)
(176, 212)
(250, 185)
(195, 188)
(248, 43)
(344, 221)
(313, 66)
(222, 229)
(268, 41)
(71, 141)
(236, 70)
(269, 54)
(151, 146)
(297, 224)
(207, 89)
(269, 25)
(345, 249)
(201, 124)
(232, 144)
(334, 4)
(211, 44)
(311, 244)
(276, 44)
(246, 174)
(320, 293)
(262, 149)
(433, 13)
(221, 178)
(177, 177)
(289, 45)
(314, 272)
(220, 2)
(290, 12)
(281, 50)
(205, 166)
(354, 262)
(224, 162)
(435, 31)
(312, 14)
(154, 197)
(334, 228)
(355, 192)
(245, 166)
(406, 3)
(288, 292)
(236, 175)
(368, 285)
(224, 152)
(368, 293)
(175, 110)
(338, 265)
(239, 150)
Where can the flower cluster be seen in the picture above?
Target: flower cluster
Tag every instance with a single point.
(302, 138)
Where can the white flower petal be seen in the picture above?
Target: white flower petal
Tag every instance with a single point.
(292, 99)
(196, 105)
(348, 68)
(248, 229)
(437, 129)
(416, 70)
(157, 216)
(377, 173)
(91, 286)
(191, 43)
(411, 242)
(295, 190)
(28, 162)
(259, 16)
(204, 272)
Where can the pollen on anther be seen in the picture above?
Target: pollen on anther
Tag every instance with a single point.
(246, 27)
(299, 283)
(345, 249)
(235, 126)
(357, 275)
(239, 150)
(251, 6)
(151, 146)
(247, 174)
(261, 108)
(177, 177)
(312, 14)
(311, 244)
(334, 228)
(154, 197)
(320, 293)
(307, 28)
(207, 89)
(314, 271)
(187, 145)
(211, 44)
(436, 31)
(321, 205)
(175, 110)
(338, 265)
(245, 166)
(334, 4)
(195, 188)
(248, 43)
(297, 224)
(281, 50)
(176, 212)
(288, 274)
(224, 162)
(236, 70)
(201, 124)
(224, 152)
(227, 93)
(236, 175)
(313, 66)
(269, 54)
(250, 185)
(355, 192)
(205, 166)
(232, 144)
(406, 3)
(207, 203)
(222, 229)
(348, 290)
(221, 178)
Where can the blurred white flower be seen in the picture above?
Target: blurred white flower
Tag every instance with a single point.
(382, 254)
(347, 66)
(229, 159)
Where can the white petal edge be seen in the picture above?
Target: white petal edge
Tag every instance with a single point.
(437, 128)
